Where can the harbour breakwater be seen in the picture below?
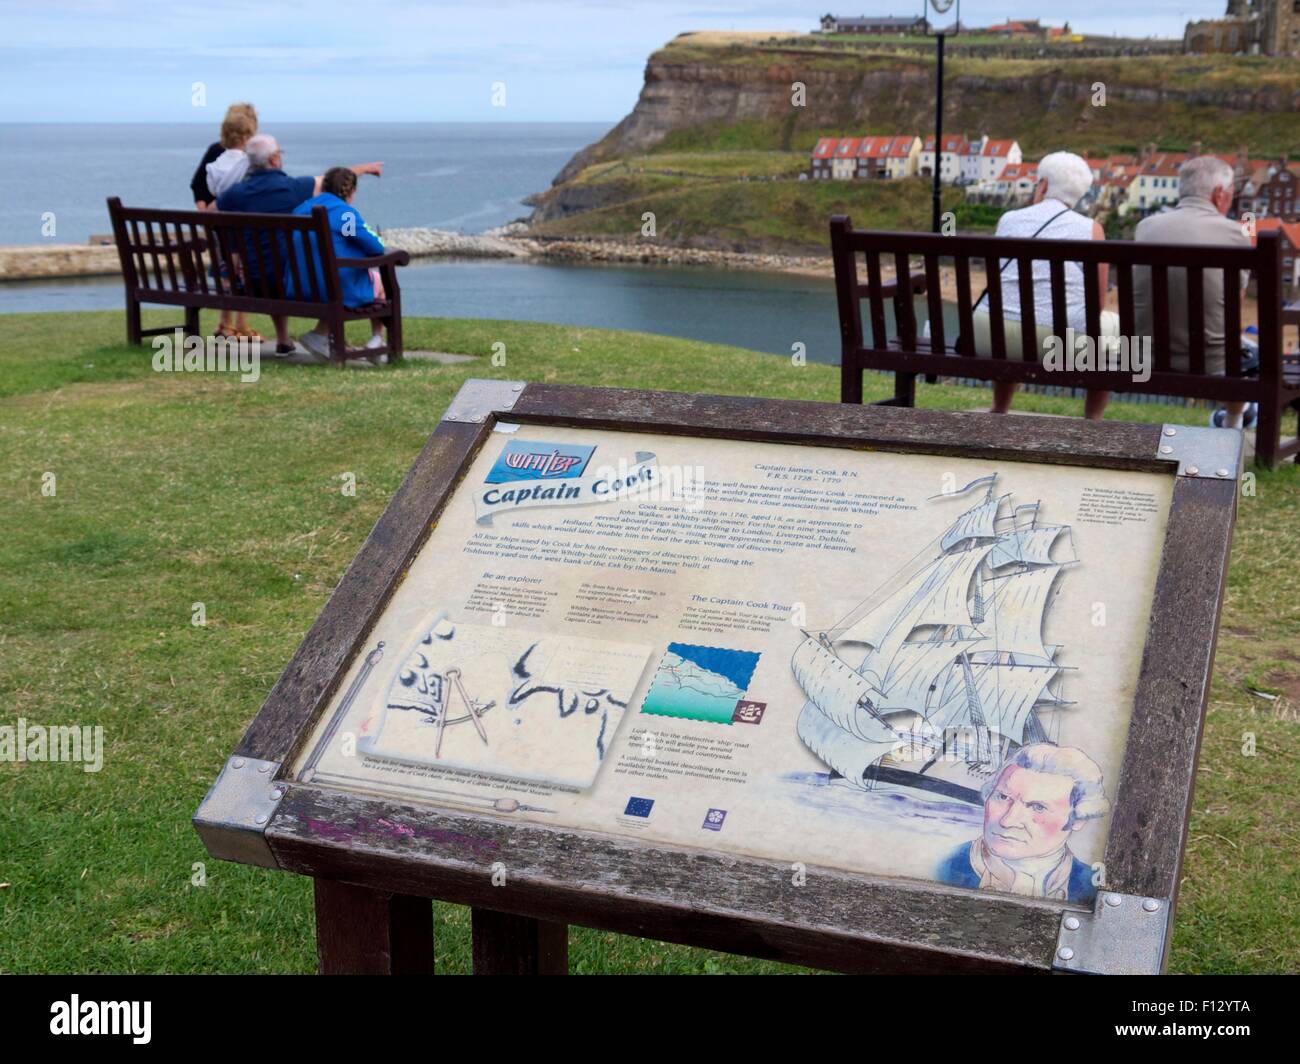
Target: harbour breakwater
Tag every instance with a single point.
(47, 262)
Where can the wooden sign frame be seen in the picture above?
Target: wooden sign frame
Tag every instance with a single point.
(376, 861)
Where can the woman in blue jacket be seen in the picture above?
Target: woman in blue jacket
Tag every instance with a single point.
(353, 239)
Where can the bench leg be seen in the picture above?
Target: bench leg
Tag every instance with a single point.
(360, 931)
(850, 380)
(191, 321)
(904, 389)
(1268, 430)
(505, 944)
(338, 340)
(133, 335)
(395, 334)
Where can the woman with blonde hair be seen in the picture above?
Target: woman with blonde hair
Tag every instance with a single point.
(224, 164)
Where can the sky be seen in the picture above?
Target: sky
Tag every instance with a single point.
(401, 60)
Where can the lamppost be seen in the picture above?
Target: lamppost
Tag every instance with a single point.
(940, 7)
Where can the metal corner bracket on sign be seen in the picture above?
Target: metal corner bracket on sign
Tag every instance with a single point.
(479, 397)
(232, 819)
(1124, 935)
(1202, 452)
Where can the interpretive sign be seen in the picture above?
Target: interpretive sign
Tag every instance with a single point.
(865, 688)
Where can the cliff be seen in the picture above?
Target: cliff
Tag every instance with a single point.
(710, 91)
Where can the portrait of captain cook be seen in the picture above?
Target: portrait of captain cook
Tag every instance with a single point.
(1037, 799)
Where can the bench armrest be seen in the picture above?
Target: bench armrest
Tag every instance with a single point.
(391, 258)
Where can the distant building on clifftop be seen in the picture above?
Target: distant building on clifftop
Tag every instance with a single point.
(1249, 27)
(889, 26)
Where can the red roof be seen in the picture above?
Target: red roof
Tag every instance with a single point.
(1164, 165)
(1016, 171)
(953, 143)
(873, 147)
(998, 147)
(847, 147)
(902, 146)
(1290, 230)
(825, 148)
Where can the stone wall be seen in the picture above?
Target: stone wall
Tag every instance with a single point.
(35, 262)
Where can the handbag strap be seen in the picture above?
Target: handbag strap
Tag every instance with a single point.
(1003, 269)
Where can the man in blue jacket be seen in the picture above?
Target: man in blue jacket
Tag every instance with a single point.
(269, 190)
(352, 239)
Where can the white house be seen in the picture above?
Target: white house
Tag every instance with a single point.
(1016, 181)
(970, 160)
(1156, 183)
(995, 156)
(954, 146)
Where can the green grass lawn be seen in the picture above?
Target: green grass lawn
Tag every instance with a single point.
(177, 489)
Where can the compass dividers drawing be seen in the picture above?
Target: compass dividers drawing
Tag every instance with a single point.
(475, 710)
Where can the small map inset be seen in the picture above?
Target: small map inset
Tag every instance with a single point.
(700, 683)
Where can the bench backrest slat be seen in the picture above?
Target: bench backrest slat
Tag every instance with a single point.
(847, 301)
(904, 309)
(934, 304)
(297, 242)
(1124, 291)
(1232, 322)
(1092, 296)
(1028, 312)
(997, 333)
(874, 300)
(965, 322)
(1160, 315)
(1195, 287)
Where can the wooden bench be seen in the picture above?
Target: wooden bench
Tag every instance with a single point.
(900, 346)
(217, 260)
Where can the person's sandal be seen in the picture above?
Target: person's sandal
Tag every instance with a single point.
(225, 332)
(249, 333)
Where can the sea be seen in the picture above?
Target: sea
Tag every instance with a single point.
(465, 177)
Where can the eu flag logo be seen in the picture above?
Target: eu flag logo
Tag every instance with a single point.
(639, 807)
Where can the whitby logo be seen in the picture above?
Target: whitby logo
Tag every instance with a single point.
(532, 460)
(524, 487)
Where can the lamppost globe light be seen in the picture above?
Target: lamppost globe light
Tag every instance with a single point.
(947, 8)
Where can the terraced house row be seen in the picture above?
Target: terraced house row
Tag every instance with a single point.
(995, 170)
(961, 160)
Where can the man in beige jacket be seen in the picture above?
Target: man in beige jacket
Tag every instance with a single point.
(1205, 188)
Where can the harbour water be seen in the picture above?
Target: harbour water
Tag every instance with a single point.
(467, 177)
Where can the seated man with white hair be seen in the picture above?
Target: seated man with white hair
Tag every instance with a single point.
(269, 190)
(1063, 179)
(1205, 191)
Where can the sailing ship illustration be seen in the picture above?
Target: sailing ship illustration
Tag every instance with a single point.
(929, 684)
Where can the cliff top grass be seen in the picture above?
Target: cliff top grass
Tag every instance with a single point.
(177, 488)
(1172, 72)
(786, 216)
